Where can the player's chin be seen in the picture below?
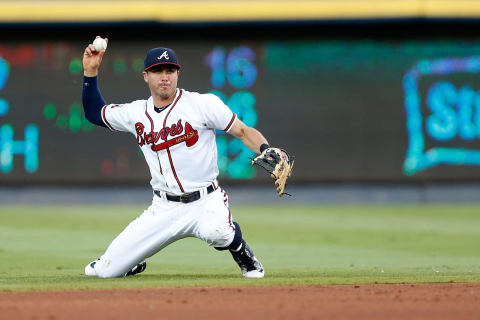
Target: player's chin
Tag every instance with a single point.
(165, 94)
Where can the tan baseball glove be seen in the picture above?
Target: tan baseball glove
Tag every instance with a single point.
(278, 163)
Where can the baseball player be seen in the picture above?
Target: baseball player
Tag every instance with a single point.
(175, 130)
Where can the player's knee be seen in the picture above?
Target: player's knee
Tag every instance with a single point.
(221, 239)
(216, 235)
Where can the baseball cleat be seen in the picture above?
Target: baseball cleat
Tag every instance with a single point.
(89, 268)
(250, 266)
(139, 268)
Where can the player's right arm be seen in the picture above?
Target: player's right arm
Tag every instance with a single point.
(92, 99)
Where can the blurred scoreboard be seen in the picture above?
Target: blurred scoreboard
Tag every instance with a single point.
(357, 110)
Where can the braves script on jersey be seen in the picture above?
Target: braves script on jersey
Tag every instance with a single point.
(179, 142)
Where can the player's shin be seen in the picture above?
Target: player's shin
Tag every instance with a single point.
(243, 256)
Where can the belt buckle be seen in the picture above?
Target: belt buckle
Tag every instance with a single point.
(184, 198)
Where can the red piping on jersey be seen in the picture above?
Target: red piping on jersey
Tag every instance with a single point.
(151, 121)
(225, 200)
(173, 106)
(105, 119)
(230, 220)
(159, 163)
(168, 149)
(173, 170)
(231, 121)
(152, 127)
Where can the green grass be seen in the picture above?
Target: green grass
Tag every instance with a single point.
(47, 247)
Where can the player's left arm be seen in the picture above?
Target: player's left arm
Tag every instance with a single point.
(274, 160)
(251, 137)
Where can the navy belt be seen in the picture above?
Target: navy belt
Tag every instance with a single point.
(187, 197)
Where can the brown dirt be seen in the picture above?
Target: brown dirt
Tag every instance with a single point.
(410, 301)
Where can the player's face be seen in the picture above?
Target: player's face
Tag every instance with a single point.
(162, 81)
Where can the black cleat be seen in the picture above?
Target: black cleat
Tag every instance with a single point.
(139, 268)
(250, 266)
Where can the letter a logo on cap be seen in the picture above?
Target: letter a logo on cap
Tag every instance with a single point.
(164, 55)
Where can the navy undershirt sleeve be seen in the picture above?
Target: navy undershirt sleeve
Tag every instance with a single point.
(93, 101)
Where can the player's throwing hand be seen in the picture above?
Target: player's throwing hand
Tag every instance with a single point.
(92, 60)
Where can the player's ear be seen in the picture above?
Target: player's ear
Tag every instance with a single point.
(145, 76)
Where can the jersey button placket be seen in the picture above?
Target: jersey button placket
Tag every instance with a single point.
(162, 169)
(167, 171)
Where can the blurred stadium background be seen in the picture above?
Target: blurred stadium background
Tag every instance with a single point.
(377, 99)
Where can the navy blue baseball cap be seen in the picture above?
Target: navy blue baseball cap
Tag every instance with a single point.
(159, 56)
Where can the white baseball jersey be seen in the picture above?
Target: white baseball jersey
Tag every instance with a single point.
(179, 142)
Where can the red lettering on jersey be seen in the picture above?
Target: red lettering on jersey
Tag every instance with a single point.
(149, 138)
(140, 141)
(165, 131)
(179, 127)
(190, 137)
(156, 136)
(139, 127)
(175, 129)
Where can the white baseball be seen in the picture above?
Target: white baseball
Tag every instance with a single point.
(100, 44)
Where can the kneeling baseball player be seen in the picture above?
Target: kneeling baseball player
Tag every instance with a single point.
(175, 130)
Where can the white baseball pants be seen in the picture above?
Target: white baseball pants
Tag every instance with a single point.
(163, 223)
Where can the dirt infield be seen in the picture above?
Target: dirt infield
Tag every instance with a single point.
(408, 301)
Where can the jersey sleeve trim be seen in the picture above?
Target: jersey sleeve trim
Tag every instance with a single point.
(230, 124)
(105, 119)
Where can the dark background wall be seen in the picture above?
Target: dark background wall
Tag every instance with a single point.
(376, 101)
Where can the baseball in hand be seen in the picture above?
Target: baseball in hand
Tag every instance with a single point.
(100, 44)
